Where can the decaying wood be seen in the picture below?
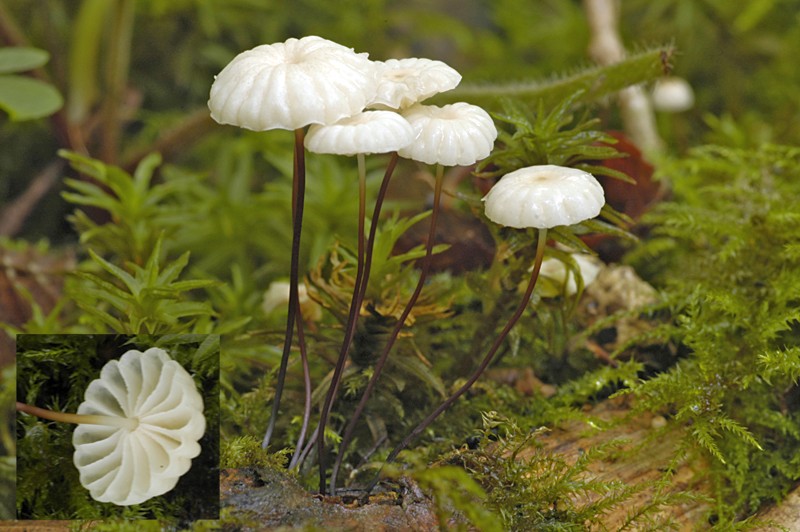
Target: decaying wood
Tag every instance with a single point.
(653, 443)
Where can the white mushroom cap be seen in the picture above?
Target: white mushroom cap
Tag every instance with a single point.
(456, 134)
(404, 82)
(292, 84)
(367, 132)
(543, 197)
(672, 95)
(127, 465)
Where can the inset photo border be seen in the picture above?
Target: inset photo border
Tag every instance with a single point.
(54, 373)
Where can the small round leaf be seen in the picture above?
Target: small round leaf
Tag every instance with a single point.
(21, 59)
(27, 99)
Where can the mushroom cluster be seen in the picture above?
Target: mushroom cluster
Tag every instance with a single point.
(351, 106)
(535, 197)
(337, 101)
(138, 427)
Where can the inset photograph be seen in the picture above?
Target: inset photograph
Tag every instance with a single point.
(114, 426)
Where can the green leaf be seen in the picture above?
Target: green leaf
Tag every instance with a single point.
(21, 59)
(84, 56)
(134, 285)
(28, 99)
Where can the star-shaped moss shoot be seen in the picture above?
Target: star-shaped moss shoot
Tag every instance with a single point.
(538, 197)
(291, 85)
(138, 428)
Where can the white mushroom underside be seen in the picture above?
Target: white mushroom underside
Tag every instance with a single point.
(124, 466)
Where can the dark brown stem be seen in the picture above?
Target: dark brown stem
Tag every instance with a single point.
(298, 194)
(360, 288)
(426, 262)
(301, 344)
(540, 246)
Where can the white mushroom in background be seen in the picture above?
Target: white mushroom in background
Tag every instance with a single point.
(560, 280)
(672, 95)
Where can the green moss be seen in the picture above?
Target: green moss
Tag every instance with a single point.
(246, 451)
(722, 252)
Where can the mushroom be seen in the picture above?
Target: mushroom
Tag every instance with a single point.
(404, 82)
(539, 197)
(138, 428)
(456, 134)
(543, 197)
(361, 134)
(291, 85)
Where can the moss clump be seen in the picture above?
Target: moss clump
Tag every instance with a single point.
(246, 451)
(722, 252)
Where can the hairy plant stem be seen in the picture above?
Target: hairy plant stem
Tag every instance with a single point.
(378, 369)
(298, 195)
(540, 246)
(359, 290)
(79, 419)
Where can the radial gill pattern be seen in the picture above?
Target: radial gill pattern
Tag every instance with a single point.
(144, 456)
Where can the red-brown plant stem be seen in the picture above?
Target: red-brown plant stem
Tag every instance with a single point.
(298, 195)
(540, 246)
(301, 344)
(378, 369)
(359, 289)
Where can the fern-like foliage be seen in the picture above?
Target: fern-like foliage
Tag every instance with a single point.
(532, 488)
(725, 252)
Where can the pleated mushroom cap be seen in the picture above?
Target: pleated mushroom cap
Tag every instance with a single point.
(367, 132)
(543, 197)
(127, 466)
(404, 82)
(292, 84)
(456, 134)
